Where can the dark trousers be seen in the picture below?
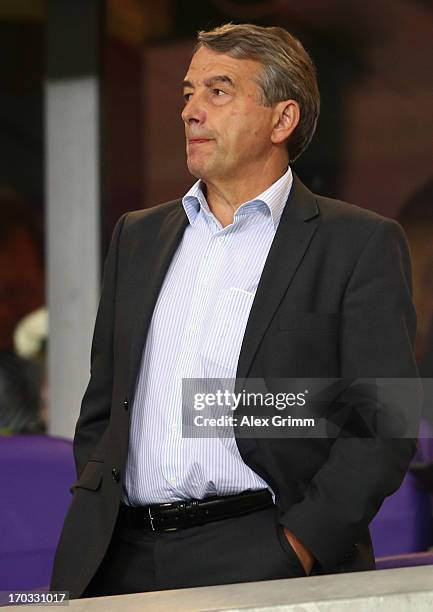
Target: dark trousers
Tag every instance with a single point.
(243, 549)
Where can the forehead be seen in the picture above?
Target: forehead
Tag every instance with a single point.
(206, 63)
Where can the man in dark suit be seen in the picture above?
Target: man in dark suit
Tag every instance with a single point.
(249, 276)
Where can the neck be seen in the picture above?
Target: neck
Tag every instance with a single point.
(224, 196)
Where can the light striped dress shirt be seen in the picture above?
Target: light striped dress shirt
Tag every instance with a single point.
(196, 331)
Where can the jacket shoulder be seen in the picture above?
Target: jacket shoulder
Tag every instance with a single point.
(339, 210)
(155, 214)
(351, 219)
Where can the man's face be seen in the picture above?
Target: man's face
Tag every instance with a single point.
(227, 127)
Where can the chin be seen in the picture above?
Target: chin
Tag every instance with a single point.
(196, 170)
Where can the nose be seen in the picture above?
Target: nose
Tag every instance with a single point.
(193, 112)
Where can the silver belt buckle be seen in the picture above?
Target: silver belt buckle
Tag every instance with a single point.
(151, 519)
(149, 512)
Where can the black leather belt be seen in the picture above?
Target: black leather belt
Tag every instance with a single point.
(189, 513)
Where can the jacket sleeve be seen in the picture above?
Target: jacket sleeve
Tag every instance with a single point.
(96, 403)
(376, 341)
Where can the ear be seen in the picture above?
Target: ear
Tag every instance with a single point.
(286, 118)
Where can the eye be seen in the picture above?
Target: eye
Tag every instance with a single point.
(186, 96)
(218, 92)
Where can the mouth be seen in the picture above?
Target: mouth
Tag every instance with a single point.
(197, 141)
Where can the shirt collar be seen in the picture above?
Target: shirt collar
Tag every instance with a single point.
(274, 197)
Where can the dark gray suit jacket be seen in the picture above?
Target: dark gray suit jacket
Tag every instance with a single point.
(334, 300)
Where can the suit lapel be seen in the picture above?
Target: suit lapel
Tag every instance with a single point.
(295, 231)
(150, 279)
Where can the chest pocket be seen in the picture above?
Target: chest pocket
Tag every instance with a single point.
(223, 338)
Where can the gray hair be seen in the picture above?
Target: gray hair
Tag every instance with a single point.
(288, 71)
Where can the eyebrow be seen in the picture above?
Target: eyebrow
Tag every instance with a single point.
(219, 78)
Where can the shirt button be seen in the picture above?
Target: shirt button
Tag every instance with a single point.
(193, 329)
(221, 239)
(174, 427)
(115, 474)
(172, 480)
